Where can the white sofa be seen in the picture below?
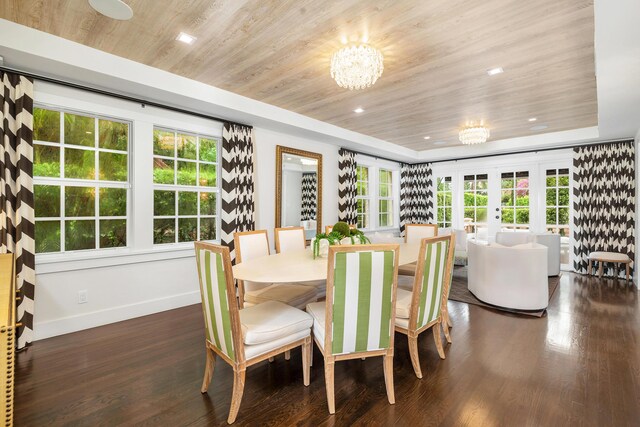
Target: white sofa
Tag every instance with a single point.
(509, 277)
(551, 241)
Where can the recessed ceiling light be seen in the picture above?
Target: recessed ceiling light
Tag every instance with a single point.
(114, 9)
(427, 137)
(539, 127)
(494, 71)
(439, 142)
(359, 110)
(533, 119)
(185, 38)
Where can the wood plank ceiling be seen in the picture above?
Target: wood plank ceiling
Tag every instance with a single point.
(436, 55)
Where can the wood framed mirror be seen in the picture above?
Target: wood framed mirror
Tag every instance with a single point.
(299, 190)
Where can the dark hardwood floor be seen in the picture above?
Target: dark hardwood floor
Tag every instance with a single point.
(579, 365)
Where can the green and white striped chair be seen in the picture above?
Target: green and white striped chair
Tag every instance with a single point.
(422, 308)
(244, 337)
(357, 319)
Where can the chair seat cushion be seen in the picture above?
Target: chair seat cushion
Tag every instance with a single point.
(270, 321)
(403, 303)
(317, 312)
(609, 256)
(251, 351)
(292, 294)
(407, 269)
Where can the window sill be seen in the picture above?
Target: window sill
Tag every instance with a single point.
(57, 263)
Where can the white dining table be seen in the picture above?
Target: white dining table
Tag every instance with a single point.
(300, 266)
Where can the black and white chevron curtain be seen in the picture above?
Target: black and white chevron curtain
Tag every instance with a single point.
(603, 201)
(309, 200)
(347, 203)
(17, 216)
(237, 182)
(416, 195)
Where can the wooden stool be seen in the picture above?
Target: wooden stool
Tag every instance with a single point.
(613, 257)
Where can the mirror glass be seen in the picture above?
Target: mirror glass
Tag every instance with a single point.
(299, 203)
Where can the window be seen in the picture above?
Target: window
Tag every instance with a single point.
(514, 209)
(557, 208)
(385, 198)
(185, 187)
(362, 196)
(444, 201)
(81, 171)
(475, 205)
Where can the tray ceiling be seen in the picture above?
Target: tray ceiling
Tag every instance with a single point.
(436, 55)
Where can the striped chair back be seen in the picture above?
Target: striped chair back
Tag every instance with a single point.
(361, 295)
(219, 306)
(432, 280)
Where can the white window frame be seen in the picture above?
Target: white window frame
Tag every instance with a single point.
(514, 188)
(367, 198)
(197, 189)
(388, 198)
(375, 165)
(64, 182)
(444, 223)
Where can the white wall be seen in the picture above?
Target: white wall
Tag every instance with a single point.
(144, 279)
(291, 197)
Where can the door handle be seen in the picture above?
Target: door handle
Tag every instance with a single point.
(497, 216)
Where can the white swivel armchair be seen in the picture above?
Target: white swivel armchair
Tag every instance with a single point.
(509, 277)
(551, 241)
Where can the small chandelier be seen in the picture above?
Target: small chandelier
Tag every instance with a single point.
(357, 66)
(472, 135)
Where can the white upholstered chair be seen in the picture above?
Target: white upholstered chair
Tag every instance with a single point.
(425, 306)
(356, 321)
(414, 233)
(293, 239)
(510, 277)
(244, 337)
(254, 244)
(512, 238)
(551, 241)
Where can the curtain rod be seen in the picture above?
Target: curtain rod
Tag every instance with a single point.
(118, 95)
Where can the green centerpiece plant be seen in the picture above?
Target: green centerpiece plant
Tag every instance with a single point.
(341, 234)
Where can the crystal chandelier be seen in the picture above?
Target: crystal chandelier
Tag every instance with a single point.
(471, 135)
(357, 66)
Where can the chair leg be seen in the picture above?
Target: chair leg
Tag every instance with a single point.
(448, 322)
(208, 369)
(590, 267)
(438, 339)
(287, 355)
(388, 377)
(271, 360)
(328, 379)
(415, 357)
(307, 351)
(627, 271)
(600, 268)
(236, 398)
(445, 329)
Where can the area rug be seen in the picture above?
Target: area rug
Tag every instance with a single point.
(460, 292)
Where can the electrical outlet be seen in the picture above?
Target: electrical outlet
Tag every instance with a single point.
(83, 296)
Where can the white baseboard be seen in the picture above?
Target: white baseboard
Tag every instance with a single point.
(80, 322)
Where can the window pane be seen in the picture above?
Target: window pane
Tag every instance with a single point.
(563, 197)
(186, 173)
(79, 130)
(482, 184)
(507, 215)
(470, 198)
(113, 135)
(164, 231)
(164, 143)
(79, 164)
(522, 197)
(187, 229)
(384, 219)
(113, 202)
(551, 181)
(363, 221)
(563, 216)
(469, 184)
(163, 171)
(46, 125)
(551, 216)
(186, 146)
(563, 180)
(46, 161)
(507, 182)
(113, 166)
(207, 204)
(207, 175)
(482, 198)
(507, 198)
(164, 203)
(383, 206)
(79, 201)
(207, 229)
(447, 214)
(522, 216)
(208, 149)
(440, 214)
(80, 235)
(113, 233)
(551, 197)
(469, 214)
(47, 236)
(481, 215)
(47, 200)
(187, 203)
